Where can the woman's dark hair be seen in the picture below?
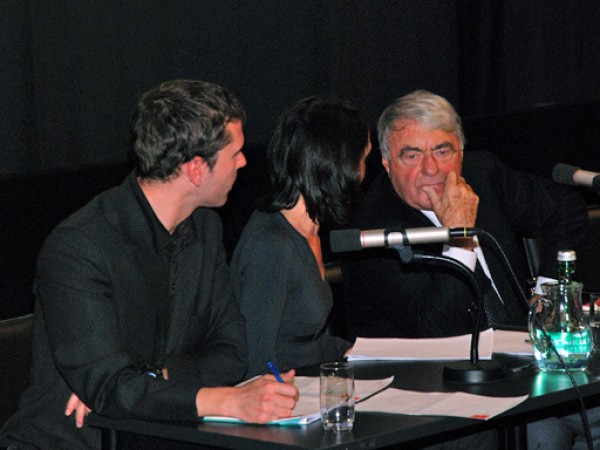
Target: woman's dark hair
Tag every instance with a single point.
(177, 121)
(315, 152)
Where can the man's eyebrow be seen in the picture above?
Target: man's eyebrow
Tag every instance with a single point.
(444, 144)
(409, 148)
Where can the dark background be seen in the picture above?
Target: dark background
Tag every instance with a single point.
(524, 75)
(72, 71)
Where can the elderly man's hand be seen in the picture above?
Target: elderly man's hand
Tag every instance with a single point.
(457, 208)
(458, 205)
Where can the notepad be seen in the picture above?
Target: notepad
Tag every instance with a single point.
(308, 409)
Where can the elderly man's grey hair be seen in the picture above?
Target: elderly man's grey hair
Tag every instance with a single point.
(429, 110)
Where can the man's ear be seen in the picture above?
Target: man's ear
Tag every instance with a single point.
(386, 164)
(196, 170)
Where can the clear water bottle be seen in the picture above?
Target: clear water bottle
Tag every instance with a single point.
(557, 320)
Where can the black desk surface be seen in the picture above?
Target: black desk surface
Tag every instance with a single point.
(551, 394)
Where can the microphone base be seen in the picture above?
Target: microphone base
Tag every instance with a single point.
(488, 371)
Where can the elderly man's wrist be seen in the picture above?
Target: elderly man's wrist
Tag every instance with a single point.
(464, 243)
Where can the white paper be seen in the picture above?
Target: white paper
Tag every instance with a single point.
(447, 348)
(456, 404)
(512, 342)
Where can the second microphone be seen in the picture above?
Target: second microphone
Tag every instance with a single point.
(354, 239)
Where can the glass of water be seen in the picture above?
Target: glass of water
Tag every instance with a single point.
(592, 304)
(337, 396)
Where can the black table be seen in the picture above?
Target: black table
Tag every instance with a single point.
(550, 395)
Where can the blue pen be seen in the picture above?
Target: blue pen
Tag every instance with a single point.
(273, 368)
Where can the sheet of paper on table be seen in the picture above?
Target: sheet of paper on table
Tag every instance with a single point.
(457, 404)
(447, 348)
(512, 342)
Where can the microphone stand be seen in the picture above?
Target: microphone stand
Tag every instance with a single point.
(473, 370)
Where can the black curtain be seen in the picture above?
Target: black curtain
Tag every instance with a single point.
(73, 70)
(481, 80)
(516, 55)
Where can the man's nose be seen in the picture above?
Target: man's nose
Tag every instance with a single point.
(430, 164)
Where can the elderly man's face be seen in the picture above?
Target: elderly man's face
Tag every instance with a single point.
(421, 157)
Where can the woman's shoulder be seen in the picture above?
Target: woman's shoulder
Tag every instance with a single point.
(265, 232)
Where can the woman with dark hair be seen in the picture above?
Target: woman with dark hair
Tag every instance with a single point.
(316, 161)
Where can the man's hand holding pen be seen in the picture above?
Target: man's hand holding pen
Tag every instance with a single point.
(259, 401)
(275, 371)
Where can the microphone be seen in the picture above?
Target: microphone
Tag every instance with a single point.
(352, 240)
(473, 370)
(574, 176)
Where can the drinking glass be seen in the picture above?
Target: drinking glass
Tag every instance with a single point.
(337, 396)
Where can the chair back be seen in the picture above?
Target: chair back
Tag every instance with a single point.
(15, 351)
(336, 325)
(588, 257)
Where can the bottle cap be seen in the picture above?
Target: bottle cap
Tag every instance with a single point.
(566, 255)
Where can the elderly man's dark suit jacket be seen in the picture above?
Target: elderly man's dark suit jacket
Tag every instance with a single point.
(96, 323)
(387, 298)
